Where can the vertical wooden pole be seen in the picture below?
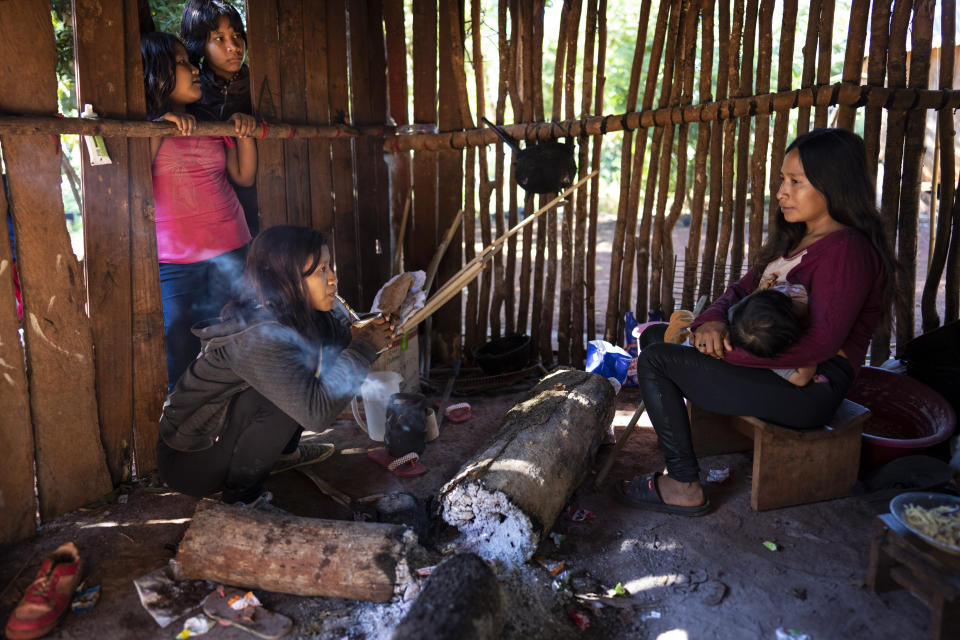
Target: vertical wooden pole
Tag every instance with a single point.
(782, 119)
(101, 82)
(945, 221)
(921, 30)
(346, 245)
(692, 253)
(646, 222)
(710, 252)
(368, 76)
(499, 276)
(524, 71)
(538, 115)
(485, 187)
(620, 288)
(758, 176)
(509, 282)
(57, 335)
(809, 63)
(853, 59)
(579, 293)
(729, 129)
(550, 282)
(296, 160)
(447, 322)
(743, 144)
(267, 98)
(16, 437)
(876, 73)
(566, 235)
(149, 355)
(824, 56)
(317, 93)
(893, 154)
(591, 284)
(662, 276)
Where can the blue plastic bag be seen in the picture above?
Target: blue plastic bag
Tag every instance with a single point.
(608, 360)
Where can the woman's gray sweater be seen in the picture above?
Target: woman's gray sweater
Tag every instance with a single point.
(273, 359)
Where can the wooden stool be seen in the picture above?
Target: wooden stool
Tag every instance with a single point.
(901, 560)
(790, 466)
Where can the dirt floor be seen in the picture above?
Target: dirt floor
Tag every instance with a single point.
(709, 577)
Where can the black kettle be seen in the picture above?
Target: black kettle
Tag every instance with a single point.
(406, 425)
(546, 167)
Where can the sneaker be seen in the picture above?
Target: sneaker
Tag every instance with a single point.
(262, 503)
(306, 453)
(48, 597)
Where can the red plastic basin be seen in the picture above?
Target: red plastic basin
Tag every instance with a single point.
(906, 416)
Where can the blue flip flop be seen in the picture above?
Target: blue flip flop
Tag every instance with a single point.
(642, 493)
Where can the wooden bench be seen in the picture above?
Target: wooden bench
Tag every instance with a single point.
(790, 466)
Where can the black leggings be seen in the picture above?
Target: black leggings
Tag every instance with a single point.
(668, 373)
(255, 435)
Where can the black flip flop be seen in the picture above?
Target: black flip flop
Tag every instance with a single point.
(642, 493)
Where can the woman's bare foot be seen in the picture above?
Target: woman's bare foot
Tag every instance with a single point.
(684, 494)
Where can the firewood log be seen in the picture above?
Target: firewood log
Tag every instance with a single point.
(505, 499)
(303, 556)
(462, 599)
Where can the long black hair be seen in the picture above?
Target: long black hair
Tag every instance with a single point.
(273, 280)
(764, 323)
(835, 163)
(159, 55)
(200, 17)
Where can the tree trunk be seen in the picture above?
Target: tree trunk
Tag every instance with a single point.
(507, 496)
(302, 556)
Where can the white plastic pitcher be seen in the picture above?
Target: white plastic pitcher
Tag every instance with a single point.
(376, 391)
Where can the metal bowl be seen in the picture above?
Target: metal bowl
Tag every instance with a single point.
(927, 501)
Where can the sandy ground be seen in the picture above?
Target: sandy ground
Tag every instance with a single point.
(709, 577)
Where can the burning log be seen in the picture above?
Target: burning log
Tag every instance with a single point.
(302, 556)
(462, 599)
(506, 498)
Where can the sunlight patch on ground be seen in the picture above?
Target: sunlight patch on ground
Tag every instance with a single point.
(653, 582)
(622, 418)
(673, 634)
(631, 544)
(108, 524)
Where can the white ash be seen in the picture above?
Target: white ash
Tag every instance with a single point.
(490, 525)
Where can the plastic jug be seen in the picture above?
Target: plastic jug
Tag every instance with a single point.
(375, 392)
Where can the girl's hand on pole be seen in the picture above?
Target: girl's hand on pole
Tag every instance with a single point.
(379, 333)
(186, 123)
(712, 339)
(244, 124)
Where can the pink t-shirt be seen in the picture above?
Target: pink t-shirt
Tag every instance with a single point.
(196, 210)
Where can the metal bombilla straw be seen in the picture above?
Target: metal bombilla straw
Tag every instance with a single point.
(356, 319)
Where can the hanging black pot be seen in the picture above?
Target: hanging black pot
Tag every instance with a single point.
(546, 167)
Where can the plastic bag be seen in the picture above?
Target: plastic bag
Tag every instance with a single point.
(608, 360)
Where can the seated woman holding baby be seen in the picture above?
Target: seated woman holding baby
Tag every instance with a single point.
(785, 342)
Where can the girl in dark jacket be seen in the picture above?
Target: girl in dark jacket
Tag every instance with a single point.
(282, 357)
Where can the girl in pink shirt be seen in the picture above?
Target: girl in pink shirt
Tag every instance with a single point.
(201, 232)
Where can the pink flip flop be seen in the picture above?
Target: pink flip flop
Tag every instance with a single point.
(405, 466)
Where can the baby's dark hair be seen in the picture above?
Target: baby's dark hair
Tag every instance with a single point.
(764, 323)
(200, 17)
(159, 56)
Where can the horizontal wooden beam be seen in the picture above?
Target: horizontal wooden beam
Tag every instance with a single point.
(845, 94)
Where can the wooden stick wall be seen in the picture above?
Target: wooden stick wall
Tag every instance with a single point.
(702, 76)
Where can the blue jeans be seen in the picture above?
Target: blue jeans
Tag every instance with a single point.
(191, 293)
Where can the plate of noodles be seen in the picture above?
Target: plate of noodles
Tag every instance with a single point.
(935, 517)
